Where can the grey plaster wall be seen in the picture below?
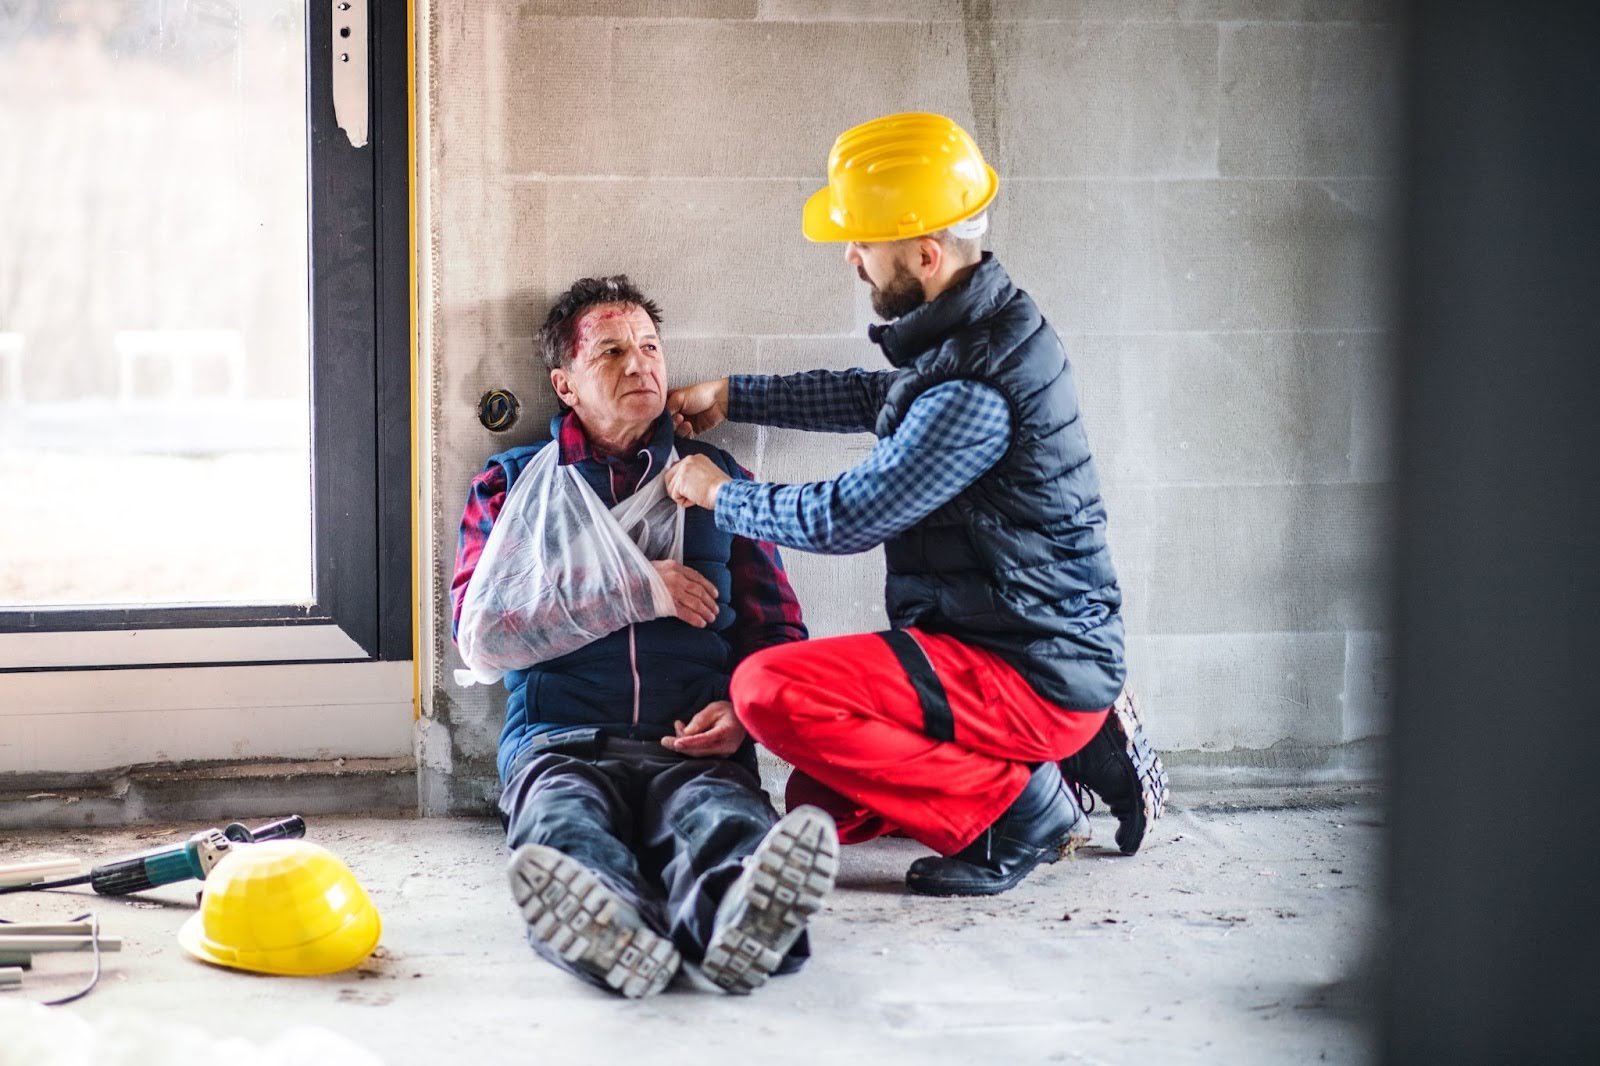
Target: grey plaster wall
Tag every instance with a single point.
(1194, 190)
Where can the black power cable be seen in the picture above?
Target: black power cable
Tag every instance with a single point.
(94, 942)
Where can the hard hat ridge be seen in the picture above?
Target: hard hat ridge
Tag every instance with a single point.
(283, 907)
(900, 176)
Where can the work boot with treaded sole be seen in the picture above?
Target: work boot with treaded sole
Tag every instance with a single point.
(1121, 766)
(568, 909)
(783, 884)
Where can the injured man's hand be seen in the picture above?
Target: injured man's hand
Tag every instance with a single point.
(694, 596)
(714, 731)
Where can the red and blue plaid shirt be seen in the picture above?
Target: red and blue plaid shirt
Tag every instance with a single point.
(765, 609)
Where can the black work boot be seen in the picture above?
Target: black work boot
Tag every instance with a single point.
(1041, 825)
(1122, 768)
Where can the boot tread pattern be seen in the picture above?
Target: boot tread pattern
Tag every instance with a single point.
(1142, 754)
(784, 883)
(568, 908)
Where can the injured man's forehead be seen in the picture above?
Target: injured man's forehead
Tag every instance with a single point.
(614, 324)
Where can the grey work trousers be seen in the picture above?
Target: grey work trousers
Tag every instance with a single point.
(666, 832)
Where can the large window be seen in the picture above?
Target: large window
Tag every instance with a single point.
(204, 334)
(155, 441)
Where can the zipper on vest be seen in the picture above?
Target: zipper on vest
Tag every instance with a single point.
(633, 664)
(633, 644)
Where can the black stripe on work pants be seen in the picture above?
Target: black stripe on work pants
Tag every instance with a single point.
(937, 721)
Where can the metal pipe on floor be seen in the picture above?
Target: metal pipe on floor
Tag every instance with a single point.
(15, 945)
(28, 873)
(44, 929)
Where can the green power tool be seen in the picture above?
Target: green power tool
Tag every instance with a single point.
(194, 858)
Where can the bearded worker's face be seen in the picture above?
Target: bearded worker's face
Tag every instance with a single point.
(886, 267)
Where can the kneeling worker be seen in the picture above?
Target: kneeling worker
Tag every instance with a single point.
(1004, 668)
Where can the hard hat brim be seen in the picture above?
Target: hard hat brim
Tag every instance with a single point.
(347, 947)
(816, 220)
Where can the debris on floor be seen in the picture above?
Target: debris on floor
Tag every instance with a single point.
(1182, 953)
(272, 903)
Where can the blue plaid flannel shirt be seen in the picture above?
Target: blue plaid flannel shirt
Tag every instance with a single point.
(950, 436)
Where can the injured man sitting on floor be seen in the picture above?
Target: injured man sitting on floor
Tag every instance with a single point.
(641, 836)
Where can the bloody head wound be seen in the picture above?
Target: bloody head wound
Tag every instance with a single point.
(559, 334)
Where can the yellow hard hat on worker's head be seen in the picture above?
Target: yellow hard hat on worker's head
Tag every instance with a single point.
(282, 907)
(900, 176)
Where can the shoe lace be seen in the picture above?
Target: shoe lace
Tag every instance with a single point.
(1084, 797)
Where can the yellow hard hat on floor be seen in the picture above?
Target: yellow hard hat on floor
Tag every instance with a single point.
(282, 907)
(897, 177)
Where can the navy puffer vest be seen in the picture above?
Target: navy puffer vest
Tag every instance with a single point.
(637, 681)
(1017, 563)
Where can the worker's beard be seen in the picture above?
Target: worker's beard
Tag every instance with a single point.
(898, 297)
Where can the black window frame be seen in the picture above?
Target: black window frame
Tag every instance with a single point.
(359, 238)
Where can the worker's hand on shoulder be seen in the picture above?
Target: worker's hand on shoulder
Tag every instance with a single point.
(696, 408)
(694, 596)
(716, 730)
(694, 481)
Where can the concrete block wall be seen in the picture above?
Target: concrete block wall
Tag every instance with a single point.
(1195, 191)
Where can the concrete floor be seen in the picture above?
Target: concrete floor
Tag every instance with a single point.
(1239, 934)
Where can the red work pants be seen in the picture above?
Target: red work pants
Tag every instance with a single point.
(903, 730)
